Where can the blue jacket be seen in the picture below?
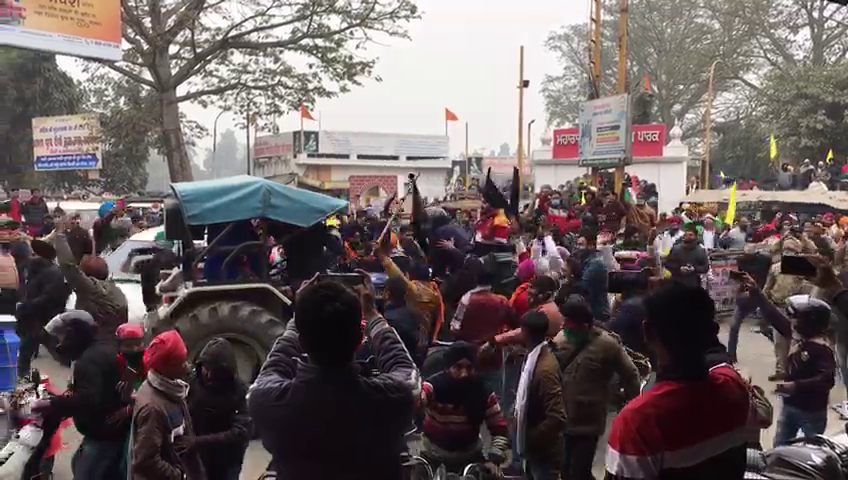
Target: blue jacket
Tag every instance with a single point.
(596, 284)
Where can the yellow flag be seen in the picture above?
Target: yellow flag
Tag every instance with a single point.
(829, 158)
(731, 207)
(722, 175)
(583, 198)
(773, 149)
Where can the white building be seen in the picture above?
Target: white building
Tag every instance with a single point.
(369, 166)
(654, 160)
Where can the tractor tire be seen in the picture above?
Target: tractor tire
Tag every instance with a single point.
(251, 330)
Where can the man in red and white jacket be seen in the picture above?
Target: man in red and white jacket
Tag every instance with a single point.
(694, 423)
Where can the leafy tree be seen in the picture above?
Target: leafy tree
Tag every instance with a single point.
(674, 42)
(228, 158)
(741, 150)
(265, 56)
(31, 85)
(128, 119)
(790, 33)
(806, 106)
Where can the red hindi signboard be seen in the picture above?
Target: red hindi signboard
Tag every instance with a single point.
(648, 141)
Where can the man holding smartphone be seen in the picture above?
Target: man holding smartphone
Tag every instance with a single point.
(319, 417)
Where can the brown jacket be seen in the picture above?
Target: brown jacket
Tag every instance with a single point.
(545, 412)
(157, 421)
(586, 380)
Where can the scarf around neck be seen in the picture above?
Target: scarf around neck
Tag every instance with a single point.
(176, 389)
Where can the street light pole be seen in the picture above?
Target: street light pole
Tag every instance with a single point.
(708, 120)
(529, 141)
(624, 19)
(215, 143)
(522, 84)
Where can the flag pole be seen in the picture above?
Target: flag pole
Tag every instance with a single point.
(446, 125)
(302, 146)
(467, 164)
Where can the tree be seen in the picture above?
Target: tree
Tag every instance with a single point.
(741, 149)
(790, 33)
(228, 158)
(806, 106)
(504, 151)
(262, 56)
(673, 42)
(31, 85)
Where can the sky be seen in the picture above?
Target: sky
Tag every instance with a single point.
(463, 55)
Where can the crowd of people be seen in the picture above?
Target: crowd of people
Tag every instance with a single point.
(534, 323)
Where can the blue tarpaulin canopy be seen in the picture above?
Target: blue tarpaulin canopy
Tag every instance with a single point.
(244, 197)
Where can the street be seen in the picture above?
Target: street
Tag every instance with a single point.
(755, 356)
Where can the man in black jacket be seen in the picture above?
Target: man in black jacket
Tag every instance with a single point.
(321, 418)
(93, 398)
(218, 408)
(45, 296)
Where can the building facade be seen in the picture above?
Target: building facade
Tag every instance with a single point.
(659, 157)
(365, 167)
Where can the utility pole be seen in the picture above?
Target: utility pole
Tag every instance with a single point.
(529, 137)
(708, 120)
(624, 18)
(522, 84)
(247, 139)
(595, 16)
(467, 160)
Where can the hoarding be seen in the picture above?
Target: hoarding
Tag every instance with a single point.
(311, 140)
(82, 28)
(604, 131)
(460, 170)
(647, 141)
(267, 146)
(67, 142)
(385, 144)
(502, 166)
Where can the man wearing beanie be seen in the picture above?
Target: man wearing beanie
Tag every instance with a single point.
(162, 440)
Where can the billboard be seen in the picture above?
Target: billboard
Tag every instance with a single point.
(81, 28)
(460, 170)
(502, 166)
(67, 142)
(267, 146)
(604, 131)
(311, 141)
(387, 144)
(646, 141)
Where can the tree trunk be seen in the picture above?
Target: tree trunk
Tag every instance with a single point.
(179, 165)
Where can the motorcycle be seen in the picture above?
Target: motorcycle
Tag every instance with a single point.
(805, 458)
(30, 440)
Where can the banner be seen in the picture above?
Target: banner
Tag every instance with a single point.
(604, 131)
(281, 145)
(81, 28)
(68, 142)
(647, 141)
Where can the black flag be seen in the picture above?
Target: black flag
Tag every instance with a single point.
(492, 195)
(515, 193)
(419, 215)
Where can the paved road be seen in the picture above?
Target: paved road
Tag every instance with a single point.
(755, 358)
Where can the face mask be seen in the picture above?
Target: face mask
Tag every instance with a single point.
(575, 336)
(556, 202)
(135, 360)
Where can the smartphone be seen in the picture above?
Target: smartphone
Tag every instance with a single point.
(627, 281)
(736, 275)
(797, 265)
(349, 279)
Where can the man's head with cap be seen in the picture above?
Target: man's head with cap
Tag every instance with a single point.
(167, 355)
(131, 343)
(43, 249)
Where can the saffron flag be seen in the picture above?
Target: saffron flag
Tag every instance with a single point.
(450, 116)
(305, 114)
(773, 154)
(731, 207)
(829, 158)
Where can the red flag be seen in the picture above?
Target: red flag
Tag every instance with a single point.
(305, 114)
(450, 116)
